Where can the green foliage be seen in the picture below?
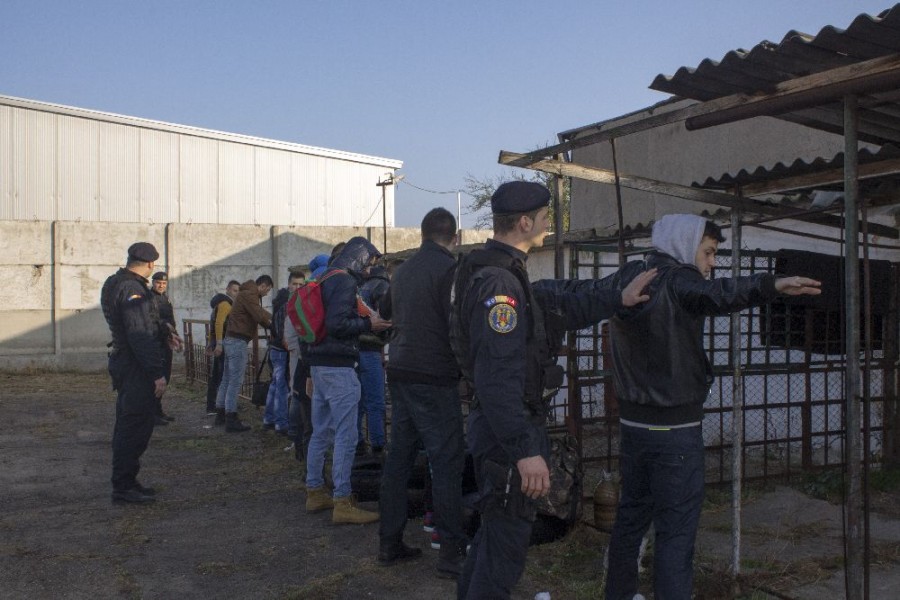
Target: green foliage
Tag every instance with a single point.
(824, 485)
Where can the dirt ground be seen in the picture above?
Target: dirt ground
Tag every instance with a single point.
(229, 521)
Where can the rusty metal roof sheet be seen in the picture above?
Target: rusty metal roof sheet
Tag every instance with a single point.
(797, 55)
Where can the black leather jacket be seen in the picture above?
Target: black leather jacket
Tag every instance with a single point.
(661, 369)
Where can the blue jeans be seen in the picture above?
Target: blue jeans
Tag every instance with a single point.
(662, 481)
(276, 402)
(371, 378)
(335, 402)
(434, 414)
(235, 364)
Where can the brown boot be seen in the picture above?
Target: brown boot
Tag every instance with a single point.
(346, 511)
(318, 499)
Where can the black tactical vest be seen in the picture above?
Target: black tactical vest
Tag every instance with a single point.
(540, 349)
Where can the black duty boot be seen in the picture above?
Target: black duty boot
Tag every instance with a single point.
(451, 559)
(220, 417)
(389, 554)
(234, 425)
(132, 496)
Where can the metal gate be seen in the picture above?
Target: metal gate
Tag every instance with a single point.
(793, 391)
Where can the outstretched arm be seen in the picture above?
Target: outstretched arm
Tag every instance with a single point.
(798, 286)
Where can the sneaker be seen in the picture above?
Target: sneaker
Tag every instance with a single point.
(268, 426)
(346, 511)
(233, 424)
(281, 432)
(318, 499)
(428, 522)
(147, 491)
(435, 540)
(220, 417)
(132, 496)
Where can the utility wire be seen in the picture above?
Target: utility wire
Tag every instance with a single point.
(421, 189)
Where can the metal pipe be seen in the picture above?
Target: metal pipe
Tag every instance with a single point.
(867, 398)
(737, 402)
(612, 143)
(852, 379)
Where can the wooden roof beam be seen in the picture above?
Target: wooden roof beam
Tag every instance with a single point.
(568, 169)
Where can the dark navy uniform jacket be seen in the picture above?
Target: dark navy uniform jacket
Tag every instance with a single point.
(498, 325)
(130, 312)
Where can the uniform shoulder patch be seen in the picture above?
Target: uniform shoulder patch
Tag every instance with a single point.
(502, 317)
(134, 297)
(500, 300)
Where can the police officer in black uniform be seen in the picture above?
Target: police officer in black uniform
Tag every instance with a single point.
(159, 285)
(504, 332)
(136, 365)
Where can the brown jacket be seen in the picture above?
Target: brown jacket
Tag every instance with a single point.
(247, 314)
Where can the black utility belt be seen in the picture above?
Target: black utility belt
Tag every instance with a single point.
(238, 336)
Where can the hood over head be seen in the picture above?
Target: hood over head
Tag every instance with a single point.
(318, 265)
(679, 236)
(356, 255)
(219, 298)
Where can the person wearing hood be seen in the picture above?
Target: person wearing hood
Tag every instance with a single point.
(275, 415)
(662, 376)
(372, 292)
(336, 388)
(247, 314)
(221, 308)
(318, 265)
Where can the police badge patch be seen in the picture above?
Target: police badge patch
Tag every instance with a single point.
(503, 318)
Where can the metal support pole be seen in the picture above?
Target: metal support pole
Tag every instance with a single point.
(852, 379)
(612, 144)
(558, 259)
(737, 401)
(458, 218)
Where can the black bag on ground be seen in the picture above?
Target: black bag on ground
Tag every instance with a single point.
(260, 388)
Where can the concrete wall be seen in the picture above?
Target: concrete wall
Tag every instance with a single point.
(672, 154)
(50, 306)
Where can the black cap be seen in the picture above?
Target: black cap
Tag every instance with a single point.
(142, 251)
(519, 197)
(160, 276)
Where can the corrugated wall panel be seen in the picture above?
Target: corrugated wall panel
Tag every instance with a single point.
(273, 186)
(236, 193)
(33, 168)
(308, 199)
(159, 177)
(6, 164)
(78, 187)
(338, 194)
(199, 180)
(119, 173)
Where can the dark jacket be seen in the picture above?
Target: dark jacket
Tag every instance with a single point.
(134, 324)
(420, 311)
(509, 343)
(374, 289)
(279, 312)
(216, 305)
(247, 313)
(661, 370)
(166, 316)
(340, 348)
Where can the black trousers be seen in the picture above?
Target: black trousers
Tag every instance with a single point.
(135, 416)
(216, 369)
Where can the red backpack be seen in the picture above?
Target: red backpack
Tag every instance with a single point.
(306, 310)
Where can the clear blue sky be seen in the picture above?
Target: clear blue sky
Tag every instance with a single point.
(441, 86)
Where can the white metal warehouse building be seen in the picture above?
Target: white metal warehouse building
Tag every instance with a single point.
(59, 163)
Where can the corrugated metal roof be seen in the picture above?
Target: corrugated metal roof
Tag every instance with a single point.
(196, 131)
(797, 55)
(798, 167)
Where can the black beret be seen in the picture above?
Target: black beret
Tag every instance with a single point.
(160, 276)
(519, 197)
(142, 251)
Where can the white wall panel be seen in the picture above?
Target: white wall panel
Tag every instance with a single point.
(309, 199)
(199, 180)
(119, 173)
(6, 163)
(236, 191)
(33, 168)
(273, 187)
(77, 160)
(159, 177)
